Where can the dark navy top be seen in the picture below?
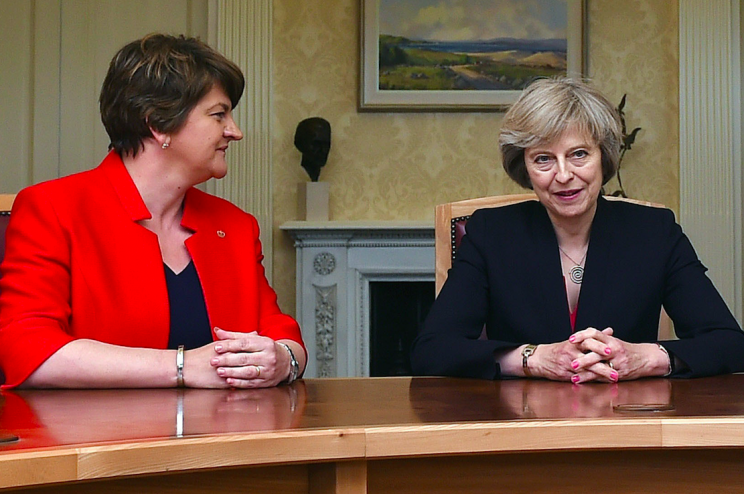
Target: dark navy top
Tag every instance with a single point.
(189, 322)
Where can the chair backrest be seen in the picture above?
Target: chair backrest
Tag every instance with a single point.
(449, 228)
(6, 203)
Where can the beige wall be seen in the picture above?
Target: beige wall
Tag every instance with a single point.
(399, 166)
(634, 49)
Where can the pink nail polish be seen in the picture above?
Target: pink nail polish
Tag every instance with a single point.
(572, 338)
(575, 364)
(608, 351)
(575, 379)
(613, 375)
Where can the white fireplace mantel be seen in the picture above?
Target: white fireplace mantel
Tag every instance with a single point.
(336, 261)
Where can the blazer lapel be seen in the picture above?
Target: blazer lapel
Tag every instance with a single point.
(547, 275)
(598, 261)
(207, 247)
(204, 249)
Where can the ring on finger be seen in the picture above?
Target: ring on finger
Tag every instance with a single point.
(258, 371)
(610, 364)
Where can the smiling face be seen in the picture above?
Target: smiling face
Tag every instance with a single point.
(566, 175)
(201, 144)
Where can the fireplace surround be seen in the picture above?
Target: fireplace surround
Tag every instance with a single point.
(336, 262)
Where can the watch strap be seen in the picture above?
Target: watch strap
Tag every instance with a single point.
(526, 354)
(294, 366)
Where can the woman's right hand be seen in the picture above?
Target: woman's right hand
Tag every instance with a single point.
(560, 361)
(553, 361)
(198, 372)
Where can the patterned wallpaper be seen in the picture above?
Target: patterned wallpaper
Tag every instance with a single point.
(634, 49)
(386, 166)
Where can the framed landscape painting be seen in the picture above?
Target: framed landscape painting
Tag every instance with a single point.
(464, 55)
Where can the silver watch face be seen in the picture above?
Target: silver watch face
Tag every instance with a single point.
(294, 366)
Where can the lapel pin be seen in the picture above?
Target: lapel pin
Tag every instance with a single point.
(220, 234)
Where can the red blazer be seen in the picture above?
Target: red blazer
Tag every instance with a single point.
(78, 265)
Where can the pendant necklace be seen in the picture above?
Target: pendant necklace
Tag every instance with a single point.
(576, 273)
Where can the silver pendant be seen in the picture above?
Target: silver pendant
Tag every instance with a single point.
(576, 274)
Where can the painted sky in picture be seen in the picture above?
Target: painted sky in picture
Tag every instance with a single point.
(470, 44)
(468, 20)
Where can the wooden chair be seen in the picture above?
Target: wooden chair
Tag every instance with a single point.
(6, 203)
(449, 228)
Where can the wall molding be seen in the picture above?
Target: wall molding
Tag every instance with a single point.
(710, 140)
(242, 31)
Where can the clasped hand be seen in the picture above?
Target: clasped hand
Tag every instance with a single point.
(590, 355)
(236, 360)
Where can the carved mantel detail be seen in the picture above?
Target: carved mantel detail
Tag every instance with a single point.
(325, 330)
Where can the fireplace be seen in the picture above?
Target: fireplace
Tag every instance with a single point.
(341, 267)
(396, 313)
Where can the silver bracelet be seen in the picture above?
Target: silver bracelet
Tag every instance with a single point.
(179, 367)
(671, 367)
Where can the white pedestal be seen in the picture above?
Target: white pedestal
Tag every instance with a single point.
(312, 201)
(336, 261)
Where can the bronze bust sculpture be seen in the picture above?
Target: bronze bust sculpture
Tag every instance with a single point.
(313, 139)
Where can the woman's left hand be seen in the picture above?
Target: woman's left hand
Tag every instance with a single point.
(248, 360)
(606, 357)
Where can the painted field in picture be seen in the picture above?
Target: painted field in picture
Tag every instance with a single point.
(466, 45)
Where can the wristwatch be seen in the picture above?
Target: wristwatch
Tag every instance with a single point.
(527, 353)
(294, 366)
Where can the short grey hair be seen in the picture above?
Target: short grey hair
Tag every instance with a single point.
(549, 107)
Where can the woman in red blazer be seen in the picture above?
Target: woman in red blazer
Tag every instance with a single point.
(128, 276)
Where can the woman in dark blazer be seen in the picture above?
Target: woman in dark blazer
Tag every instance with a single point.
(571, 287)
(127, 275)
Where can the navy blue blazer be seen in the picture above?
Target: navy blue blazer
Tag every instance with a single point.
(507, 275)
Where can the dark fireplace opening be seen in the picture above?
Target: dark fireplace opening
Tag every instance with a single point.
(397, 312)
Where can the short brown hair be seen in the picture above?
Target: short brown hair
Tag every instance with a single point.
(155, 82)
(549, 107)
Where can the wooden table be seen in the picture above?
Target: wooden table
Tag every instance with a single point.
(426, 435)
